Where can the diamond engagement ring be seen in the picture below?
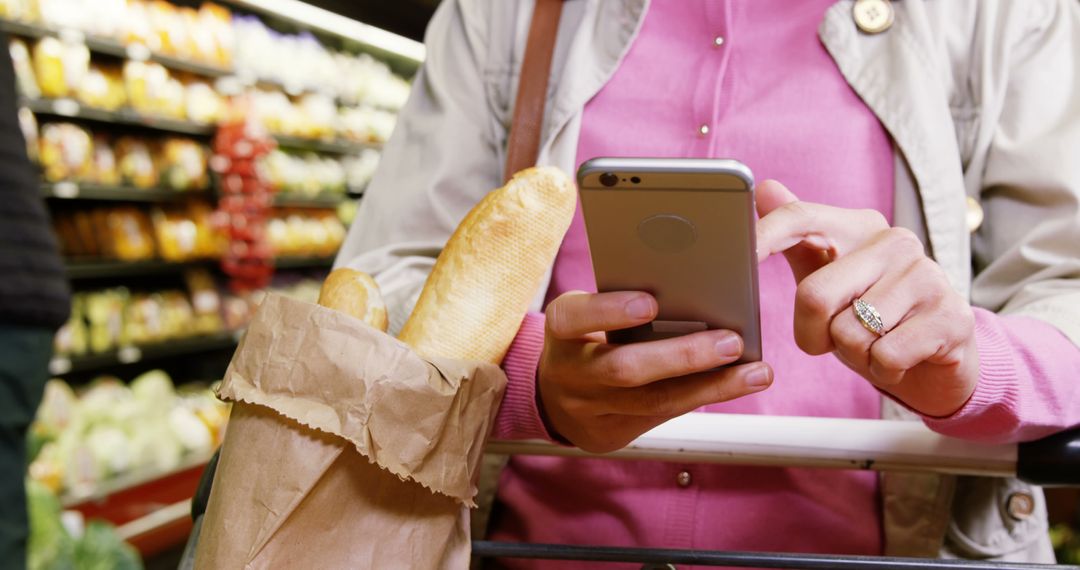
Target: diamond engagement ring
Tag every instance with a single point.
(868, 316)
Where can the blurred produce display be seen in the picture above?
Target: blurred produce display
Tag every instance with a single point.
(107, 319)
(56, 68)
(299, 62)
(204, 34)
(177, 232)
(62, 540)
(79, 440)
(306, 174)
(305, 233)
(316, 116)
(304, 83)
(69, 152)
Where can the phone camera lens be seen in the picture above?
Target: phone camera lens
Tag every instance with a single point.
(609, 179)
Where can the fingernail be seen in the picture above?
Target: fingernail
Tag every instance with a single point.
(639, 308)
(729, 345)
(758, 377)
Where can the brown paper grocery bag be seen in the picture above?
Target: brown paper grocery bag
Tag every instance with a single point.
(345, 448)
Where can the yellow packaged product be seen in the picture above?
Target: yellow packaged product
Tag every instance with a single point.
(143, 319)
(202, 42)
(210, 241)
(136, 162)
(49, 67)
(25, 10)
(277, 232)
(65, 152)
(102, 88)
(105, 170)
(139, 30)
(147, 86)
(178, 314)
(205, 301)
(105, 317)
(60, 66)
(167, 27)
(317, 116)
(187, 21)
(335, 232)
(171, 103)
(71, 339)
(183, 164)
(201, 103)
(176, 234)
(218, 21)
(129, 234)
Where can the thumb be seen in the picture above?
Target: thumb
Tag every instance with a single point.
(770, 195)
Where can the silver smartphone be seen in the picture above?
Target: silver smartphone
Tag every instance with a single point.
(682, 230)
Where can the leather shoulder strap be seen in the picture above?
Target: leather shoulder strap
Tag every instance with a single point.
(524, 144)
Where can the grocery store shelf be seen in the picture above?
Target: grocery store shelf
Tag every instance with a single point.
(303, 262)
(295, 90)
(152, 509)
(399, 50)
(72, 109)
(113, 48)
(339, 146)
(132, 480)
(104, 269)
(301, 201)
(61, 365)
(91, 191)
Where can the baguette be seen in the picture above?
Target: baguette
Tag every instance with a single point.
(491, 268)
(354, 293)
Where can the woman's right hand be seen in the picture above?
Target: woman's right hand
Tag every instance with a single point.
(601, 396)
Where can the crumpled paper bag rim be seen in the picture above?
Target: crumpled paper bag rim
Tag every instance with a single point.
(315, 413)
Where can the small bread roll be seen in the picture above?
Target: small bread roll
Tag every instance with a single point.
(354, 293)
(491, 268)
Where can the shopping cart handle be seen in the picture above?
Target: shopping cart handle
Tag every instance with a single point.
(1053, 460)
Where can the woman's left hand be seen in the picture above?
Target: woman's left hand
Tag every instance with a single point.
(926, 354)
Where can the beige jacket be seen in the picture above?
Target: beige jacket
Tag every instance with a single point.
(982, 98)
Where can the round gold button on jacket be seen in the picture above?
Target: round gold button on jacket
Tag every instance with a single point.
(683, 479)
(873, 16)
(974, 214)
(1020, 505)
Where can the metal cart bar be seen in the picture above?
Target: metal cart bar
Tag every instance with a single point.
(881, 445)
(658, 558)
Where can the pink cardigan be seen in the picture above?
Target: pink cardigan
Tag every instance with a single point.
(750, 80)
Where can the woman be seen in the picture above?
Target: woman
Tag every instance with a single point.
(890, 135)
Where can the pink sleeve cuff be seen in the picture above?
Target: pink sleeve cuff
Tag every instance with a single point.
(519, 417)
(1026, 374)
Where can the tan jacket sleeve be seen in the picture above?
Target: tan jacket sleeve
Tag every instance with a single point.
(1027, 252)
(441, 160)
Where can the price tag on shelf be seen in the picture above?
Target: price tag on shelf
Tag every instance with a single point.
(128, 354)
(66, 190)
(59, 365)
(66, 107)
(138, 52)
